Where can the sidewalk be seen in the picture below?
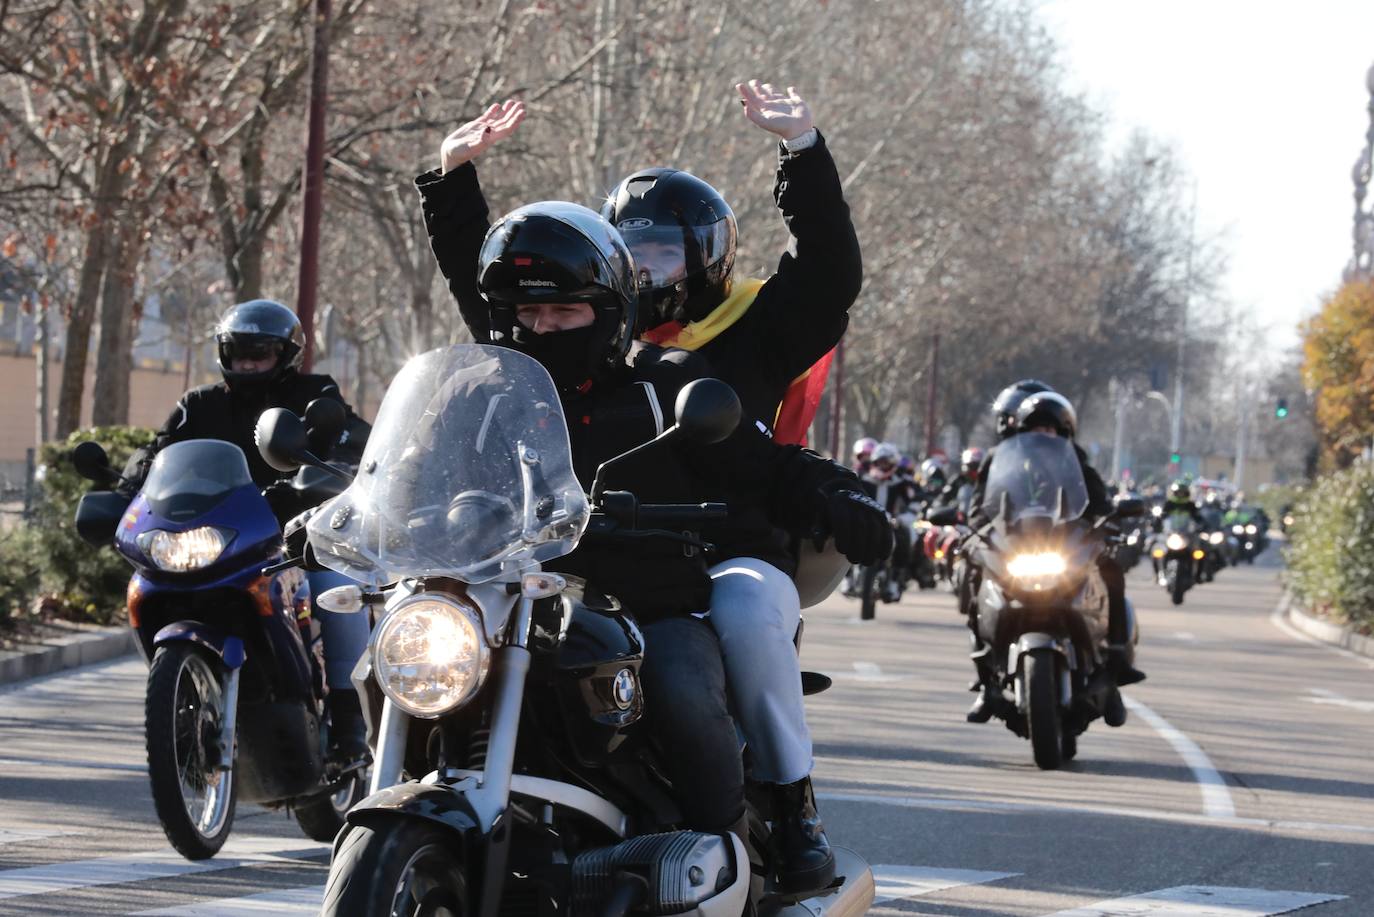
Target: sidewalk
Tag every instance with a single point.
(1327, 632)
(63, 645)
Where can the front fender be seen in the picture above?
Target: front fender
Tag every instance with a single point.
(229, 649)
(1036, 641)
(430, 802)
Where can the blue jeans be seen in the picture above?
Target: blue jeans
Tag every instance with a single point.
(688, 718)
(755, 611)
(344, 635)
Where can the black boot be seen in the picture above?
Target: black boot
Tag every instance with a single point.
(983, 706)
(1114, 709)
(347, 731)
(1119, 664)
(805, 862)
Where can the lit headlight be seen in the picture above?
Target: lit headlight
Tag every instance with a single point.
(1176, 542)
(1037, 571)
(180, 552)
(1251, 529)
(430, 654)
(1237, 530)
(1156, 511)
(1216, 537)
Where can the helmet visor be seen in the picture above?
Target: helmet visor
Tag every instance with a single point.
(666, 255)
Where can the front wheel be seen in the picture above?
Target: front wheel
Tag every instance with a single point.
(183, 712)
(1178, 584)
(403, 868)
(868, 593)
(1044, 718)
(321, 816)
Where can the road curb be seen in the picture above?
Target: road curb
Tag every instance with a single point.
(95, 644)
(1325, 631)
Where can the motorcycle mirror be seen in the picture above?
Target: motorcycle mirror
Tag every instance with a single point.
(282, 440)
(92, 463)
(324, 419)
(1130, 507)
(708, 411)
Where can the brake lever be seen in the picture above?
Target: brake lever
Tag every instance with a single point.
(284, 565)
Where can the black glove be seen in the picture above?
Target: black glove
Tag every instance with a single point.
(862, 530)
(294, 534)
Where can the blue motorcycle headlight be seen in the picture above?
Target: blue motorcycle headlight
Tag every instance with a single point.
(182, 552)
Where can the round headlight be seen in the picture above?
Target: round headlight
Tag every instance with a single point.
(1216, 538)
(181, 552)
(1251, 529)
(1176, 542)
(430, 655)
(1237, 530)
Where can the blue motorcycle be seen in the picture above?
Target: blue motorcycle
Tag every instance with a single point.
(235, 700)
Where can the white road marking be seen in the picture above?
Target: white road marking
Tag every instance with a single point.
(135, 867)
(1185, 636)
(895, 883)
(1216, 796)
(287, 901)
(1202, 901)
(964, 804)
(1324, 696)
(1277, 619)
(867, 672)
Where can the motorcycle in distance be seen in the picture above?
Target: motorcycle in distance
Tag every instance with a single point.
(1249, 541)
(1177, 555)
(1041, 604)
(502, 699)
(881, 581)
(235, 695)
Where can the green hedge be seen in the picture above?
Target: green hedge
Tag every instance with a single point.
(52, 565)
(1331, 545)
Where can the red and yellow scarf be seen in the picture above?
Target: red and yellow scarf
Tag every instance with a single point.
(799, 403)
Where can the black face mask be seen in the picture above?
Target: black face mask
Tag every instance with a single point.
(569, 356)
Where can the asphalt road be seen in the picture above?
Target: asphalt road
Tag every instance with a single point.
(1240, 786)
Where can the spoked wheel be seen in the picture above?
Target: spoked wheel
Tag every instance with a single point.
(868, 593)
(193, 795)
(1044, 718)
(321, 816)
(401, 868)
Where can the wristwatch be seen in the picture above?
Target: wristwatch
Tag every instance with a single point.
(803, 142)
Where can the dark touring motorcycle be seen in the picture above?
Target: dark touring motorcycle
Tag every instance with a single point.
(1178, 555)
(235, 697)
(1041, 604)
(502, 699)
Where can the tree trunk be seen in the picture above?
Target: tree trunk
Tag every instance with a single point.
(73, 387)
(44, 357)
(114, 353)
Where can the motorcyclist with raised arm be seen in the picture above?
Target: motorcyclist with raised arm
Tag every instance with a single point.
(259, 348)
(762, 337)
(559, 286)
(1031, 406)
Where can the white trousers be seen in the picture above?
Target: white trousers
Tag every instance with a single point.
(755, 612)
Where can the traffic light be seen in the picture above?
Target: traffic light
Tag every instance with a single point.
(1281, 408)
(1175, 458)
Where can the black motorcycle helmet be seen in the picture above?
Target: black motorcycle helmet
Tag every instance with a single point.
(1009, 399)
(256, 328)
(682, 235)
(1180, 492)
(1047, 409)
(557, 252)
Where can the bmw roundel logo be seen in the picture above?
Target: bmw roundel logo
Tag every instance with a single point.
(625, 689)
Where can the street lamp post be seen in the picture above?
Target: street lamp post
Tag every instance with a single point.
(1362, 260)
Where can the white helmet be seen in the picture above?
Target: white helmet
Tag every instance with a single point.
(864, 445)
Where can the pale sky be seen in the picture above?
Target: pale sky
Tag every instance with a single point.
(1267, 106)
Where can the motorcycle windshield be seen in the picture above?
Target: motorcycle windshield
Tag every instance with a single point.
(188, 479)
(1035, 475)
(467, 473)
(1180, 522)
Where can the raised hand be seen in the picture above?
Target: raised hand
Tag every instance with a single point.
(783, 113)
(469, 141)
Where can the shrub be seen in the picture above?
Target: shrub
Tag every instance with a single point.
(86, 583)
(1330, 546)
(19, 558)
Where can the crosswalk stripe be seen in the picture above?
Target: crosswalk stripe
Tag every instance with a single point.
(1202, 901)
(286, 902)
(26, 835)
(893, 883)
(136, 867)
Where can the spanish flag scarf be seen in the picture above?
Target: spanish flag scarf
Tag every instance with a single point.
(799, 403)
